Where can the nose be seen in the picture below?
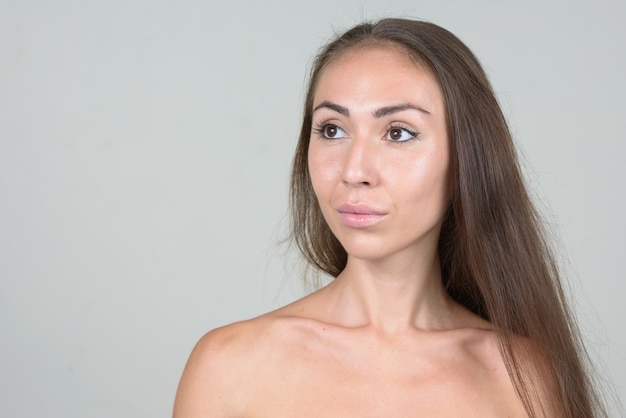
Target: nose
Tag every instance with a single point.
(359, 166)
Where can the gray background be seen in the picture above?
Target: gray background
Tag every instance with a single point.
(144, 159)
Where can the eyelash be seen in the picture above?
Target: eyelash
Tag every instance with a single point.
(320, 127)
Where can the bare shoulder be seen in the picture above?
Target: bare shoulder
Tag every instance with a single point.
(223, 370)
(209, 386)
(479, 350)
(488, 348)
(536, 370)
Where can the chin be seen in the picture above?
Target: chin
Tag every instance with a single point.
(376, 247)
(368, 249)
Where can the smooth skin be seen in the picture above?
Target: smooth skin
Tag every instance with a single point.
(383, 339)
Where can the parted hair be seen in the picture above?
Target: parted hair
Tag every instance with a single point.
(495, 258)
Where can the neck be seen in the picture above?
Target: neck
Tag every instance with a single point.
(392, 296)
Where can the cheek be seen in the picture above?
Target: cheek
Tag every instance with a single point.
(314, 167)
(425, 181)
(323, 169)
(317, 174)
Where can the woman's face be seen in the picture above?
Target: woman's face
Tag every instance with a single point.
(379, 154)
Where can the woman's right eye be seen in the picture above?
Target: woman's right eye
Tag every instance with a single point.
(330, 131)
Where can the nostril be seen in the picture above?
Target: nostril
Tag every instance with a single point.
(357, 183)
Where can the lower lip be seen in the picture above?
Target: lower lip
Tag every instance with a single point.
(359, 220)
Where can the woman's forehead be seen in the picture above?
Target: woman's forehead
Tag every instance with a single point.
(377, 73)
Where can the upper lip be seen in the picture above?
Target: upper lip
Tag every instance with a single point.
(359, 209)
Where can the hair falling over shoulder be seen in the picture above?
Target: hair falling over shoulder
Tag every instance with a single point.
(494, 257)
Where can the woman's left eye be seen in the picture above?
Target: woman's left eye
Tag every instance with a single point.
(397, 134)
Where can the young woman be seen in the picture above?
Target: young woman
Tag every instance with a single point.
(446, 300)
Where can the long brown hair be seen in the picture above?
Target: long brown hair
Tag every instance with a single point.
(494, 257)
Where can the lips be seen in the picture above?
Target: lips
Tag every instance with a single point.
(359, 215)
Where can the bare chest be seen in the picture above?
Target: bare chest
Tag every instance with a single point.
(379, 384)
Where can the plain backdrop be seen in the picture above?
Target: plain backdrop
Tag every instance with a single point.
(145, 148)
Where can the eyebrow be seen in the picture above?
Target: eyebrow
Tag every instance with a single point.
(378, 113)
(333, 106)
(389, 110)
